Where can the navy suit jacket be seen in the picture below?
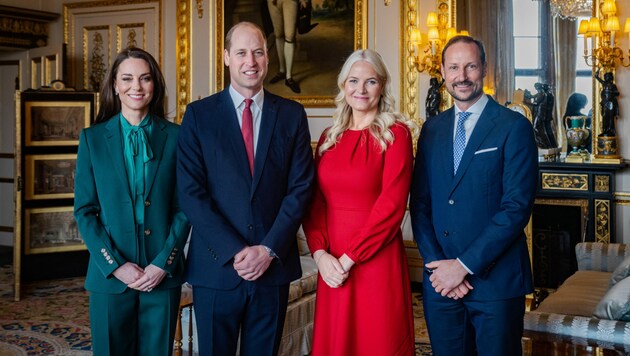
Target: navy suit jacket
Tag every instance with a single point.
(229, 208)
(479, 214)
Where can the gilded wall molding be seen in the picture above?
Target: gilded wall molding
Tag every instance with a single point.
(183, 65)
(409, 84)
(136, 22)
(561, 181)
(91, 79)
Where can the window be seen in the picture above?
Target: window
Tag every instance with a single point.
(527, 43)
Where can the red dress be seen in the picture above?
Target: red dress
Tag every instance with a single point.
(360, 200)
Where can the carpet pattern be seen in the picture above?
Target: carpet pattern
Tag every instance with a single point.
(52, 318)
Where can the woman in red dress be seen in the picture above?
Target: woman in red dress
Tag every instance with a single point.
(364, 167)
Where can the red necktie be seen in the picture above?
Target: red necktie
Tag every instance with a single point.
(247, 128)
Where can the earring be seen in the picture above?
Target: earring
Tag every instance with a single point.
(116, 93)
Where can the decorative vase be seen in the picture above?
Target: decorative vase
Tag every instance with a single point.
(577, 135)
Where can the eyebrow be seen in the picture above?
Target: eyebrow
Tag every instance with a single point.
(147, 73)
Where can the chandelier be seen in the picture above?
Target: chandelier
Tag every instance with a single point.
(571, 9)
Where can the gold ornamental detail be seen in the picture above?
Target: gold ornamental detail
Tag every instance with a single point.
(183, 64)
(556, 181)
(602, 184)
(602, 221)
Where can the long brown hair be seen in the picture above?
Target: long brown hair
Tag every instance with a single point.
(110, 103)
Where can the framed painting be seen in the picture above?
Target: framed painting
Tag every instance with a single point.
(55, 123)
(321, 45)
(51, 229)
(50, 176)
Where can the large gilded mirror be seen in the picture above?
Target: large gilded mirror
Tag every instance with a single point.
(491, 21)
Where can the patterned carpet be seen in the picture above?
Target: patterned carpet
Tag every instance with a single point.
(52, 318)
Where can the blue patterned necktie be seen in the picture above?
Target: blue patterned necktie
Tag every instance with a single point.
(460, 140)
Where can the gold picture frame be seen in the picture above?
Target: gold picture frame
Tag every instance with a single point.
(55, 123)
(50, 176)
(319, 81)
(51, 229)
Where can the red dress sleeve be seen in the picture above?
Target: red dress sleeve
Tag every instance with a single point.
(314, 224)
(383, 224)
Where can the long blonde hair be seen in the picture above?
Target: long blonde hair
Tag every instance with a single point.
(386, 115)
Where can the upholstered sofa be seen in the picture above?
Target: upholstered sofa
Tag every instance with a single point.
(571, 310)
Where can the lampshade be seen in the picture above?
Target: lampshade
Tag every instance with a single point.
(450, 33)
(432, 20)
(627, 26)
(434, 34)
(464, 33)
(612, 24)
(594, 26)
(415, 36)
(583, 29)
(609, 7)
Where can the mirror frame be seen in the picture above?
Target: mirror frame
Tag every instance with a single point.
(409, 84)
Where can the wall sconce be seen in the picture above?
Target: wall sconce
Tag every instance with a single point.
(603, 53)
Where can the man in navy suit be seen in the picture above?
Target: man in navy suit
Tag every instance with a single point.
(245, 169)
(472, 194)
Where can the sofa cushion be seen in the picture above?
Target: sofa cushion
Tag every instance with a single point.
(622, 271)
(616, 303)
(598, 256)
(309, 274)
(301, 241)
(578, 295)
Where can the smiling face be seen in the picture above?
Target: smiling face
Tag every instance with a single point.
(134, 85)
(247, 60)
(463, 73)
(362, 89)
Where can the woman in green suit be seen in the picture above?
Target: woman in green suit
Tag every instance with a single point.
(127, 212)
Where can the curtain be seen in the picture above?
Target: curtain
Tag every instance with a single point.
(491, 22)
(565, 45)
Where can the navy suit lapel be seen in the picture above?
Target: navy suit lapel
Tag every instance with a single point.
(267, 125)
(482, 129)
(232, 137)
(114, 145)
(157, 141)
(446, 136)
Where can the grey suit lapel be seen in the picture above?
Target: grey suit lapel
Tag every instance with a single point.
(114, 145)
(157, 140)
(267, 125)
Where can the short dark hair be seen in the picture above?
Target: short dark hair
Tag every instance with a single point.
(228, 37)
(466, 39)
(110, 103)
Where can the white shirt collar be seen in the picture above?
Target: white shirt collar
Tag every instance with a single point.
(476, 108)
(238, 99)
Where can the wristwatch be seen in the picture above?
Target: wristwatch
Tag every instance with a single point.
(270, 251)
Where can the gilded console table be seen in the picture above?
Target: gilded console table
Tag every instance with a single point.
(594, 183)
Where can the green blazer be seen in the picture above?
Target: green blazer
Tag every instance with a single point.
(103, 206)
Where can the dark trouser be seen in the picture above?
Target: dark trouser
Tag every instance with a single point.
(256, 312)
(134, 323)
(464, 327)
